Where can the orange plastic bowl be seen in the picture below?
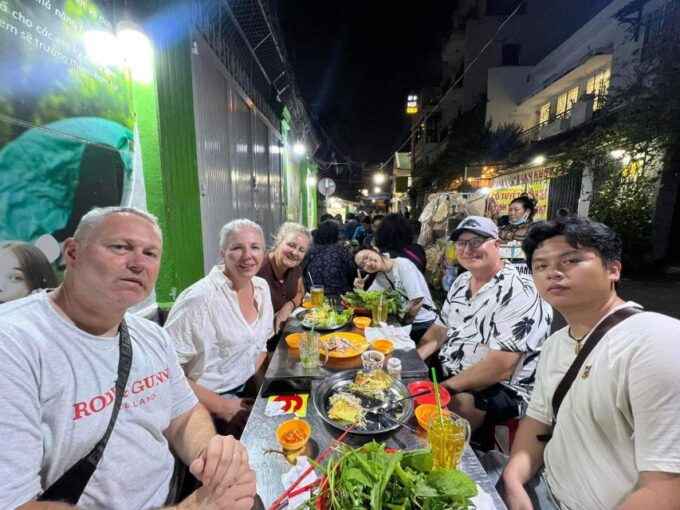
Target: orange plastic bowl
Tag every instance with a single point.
(383, 345)
(293, 434)
(293, 340)
(425, 411)
(307, 304)
(361, 322)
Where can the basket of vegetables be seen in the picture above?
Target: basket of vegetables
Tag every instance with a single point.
(375, 477)
(362, 301)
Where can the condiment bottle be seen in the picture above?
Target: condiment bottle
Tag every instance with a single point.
(394, 367)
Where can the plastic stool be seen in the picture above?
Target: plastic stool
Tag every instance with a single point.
(512, 424)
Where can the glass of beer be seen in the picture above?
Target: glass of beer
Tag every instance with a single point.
(317, 295)
(447, 439)
(379, 312)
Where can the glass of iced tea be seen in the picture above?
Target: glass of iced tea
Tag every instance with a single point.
(447, 439)
(379, 313)
(317, 295)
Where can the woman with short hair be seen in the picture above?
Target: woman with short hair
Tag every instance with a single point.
(220, 325)
(394, 236)
(329, 263)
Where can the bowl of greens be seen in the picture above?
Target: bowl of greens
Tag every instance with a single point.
(375, 477)
(362, 301)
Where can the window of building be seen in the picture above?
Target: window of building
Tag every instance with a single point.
(561, 105)
(572, 97)
(504, 7)
(598, 86)
(566, 101)
(510, 54)
(544, 114)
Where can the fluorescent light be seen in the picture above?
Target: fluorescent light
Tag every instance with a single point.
(299, 149)
(538, 160)
(102, 48)
(137, 52)
(377, 189)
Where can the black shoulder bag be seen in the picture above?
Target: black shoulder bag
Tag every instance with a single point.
(590, 344)
(70, 486)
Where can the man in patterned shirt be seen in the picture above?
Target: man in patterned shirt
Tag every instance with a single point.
(490, 330)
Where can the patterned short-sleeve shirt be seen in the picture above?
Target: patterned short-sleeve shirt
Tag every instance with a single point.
(506, 314)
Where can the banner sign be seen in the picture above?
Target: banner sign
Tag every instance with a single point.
(538, 190)
(520, 178)
(67, 127)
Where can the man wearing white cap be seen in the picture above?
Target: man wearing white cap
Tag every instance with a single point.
(490, 330)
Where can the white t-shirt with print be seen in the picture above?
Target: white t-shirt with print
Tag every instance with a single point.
(211, 336)
(57, 385)
(410, 283)
(506, 314)
(619, 419)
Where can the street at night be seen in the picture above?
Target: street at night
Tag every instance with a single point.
(305, 254)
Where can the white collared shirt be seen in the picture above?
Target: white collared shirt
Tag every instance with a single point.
(214, 342)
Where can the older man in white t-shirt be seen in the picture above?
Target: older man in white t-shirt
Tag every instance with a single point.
(59, 359)
(490, 331)
(615, 439)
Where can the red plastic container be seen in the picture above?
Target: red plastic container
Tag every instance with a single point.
(418, 386)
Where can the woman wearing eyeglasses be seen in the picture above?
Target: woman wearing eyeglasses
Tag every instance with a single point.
(402, 275)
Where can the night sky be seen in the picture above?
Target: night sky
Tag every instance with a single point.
(356, 61)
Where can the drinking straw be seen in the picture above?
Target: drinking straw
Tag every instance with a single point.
(311, 280)
(318, 460)
(436, 396)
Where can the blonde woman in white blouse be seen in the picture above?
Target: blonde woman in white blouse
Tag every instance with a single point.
(220, 324)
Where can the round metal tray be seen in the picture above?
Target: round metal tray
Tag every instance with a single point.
(301, 315)
(376, 424)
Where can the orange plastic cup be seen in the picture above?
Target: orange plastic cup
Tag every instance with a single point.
(293, 434)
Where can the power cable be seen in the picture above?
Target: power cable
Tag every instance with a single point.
(453, 85)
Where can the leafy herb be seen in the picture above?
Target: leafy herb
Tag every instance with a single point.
(366, 298)
(372, 478)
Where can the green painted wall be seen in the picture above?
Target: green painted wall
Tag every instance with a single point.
(312, 190)
(173, 185)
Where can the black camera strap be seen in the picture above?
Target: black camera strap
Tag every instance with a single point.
(71, 485)
(590, 343)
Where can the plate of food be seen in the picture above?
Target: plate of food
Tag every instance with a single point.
(343, 345)
(324, 318)
(367, 400)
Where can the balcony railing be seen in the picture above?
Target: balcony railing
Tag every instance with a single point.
(580, 112)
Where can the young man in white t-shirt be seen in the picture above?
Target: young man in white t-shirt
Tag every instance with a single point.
(615, 442)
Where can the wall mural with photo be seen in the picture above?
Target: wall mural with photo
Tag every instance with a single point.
(66, 128)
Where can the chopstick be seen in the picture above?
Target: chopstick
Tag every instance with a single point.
(318, 460)
(305, 488)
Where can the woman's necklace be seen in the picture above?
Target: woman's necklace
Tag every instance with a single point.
(578, 340)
